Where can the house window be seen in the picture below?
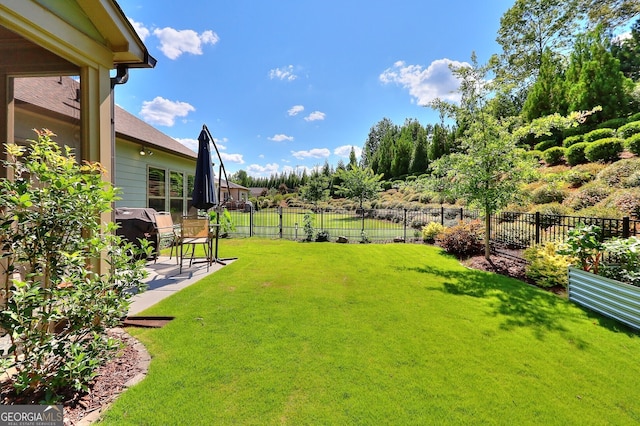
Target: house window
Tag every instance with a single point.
(170, 191)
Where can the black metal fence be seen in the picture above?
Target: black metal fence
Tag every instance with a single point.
(511, 230)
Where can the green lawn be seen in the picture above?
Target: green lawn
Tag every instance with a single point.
(267, 222)
(322, 333)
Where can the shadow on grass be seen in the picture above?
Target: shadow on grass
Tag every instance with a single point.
(520, 304)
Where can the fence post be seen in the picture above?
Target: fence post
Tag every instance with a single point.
(537, 227)
(626, 233)
(280, 221)
(441, 215)
(461, 214)
(251, 221)
(405, 225)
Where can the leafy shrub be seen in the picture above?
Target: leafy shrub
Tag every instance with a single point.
(596, 135)
(583, 243)
(431, 231)
(545, 266)
(626, 201)
(307, 221)
(545, 144)
(534, 154)
(600, 211)
(322, 236)
(550, 193)
(632, 143)
(629, 129)
(588, 195)
(622, 260)
(575, 153)
(553, 156)
(617, 173)
(57, 308)
(577, 178)
(633, 181)
(572, 140)
(605, 150)
(613, 123)
(464, 239)
(634, 117)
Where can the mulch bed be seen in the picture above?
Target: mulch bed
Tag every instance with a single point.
(110, 382)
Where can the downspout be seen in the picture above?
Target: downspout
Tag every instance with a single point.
(121, 77)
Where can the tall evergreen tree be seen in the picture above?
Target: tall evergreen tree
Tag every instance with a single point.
(627, 51)
(594, 78)
(547, 95)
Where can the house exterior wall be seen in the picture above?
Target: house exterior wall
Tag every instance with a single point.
(66, 133)
(131, 171)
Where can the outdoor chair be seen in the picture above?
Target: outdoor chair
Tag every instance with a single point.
(192, 233)
(166, 234)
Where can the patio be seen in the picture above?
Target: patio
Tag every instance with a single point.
(165, 279)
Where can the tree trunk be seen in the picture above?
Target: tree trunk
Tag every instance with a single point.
(487, 233)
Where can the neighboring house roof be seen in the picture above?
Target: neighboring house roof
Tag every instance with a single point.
(232, 185)
(257, 192)
(59, 96)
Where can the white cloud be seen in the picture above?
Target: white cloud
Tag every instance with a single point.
(425, 84)
(232, 158)
(315, 116)
(280, 137)
(192, 144)
(313, 153)
(143, 32)
(174, 43)
(285, 73)
(257, 170)
(295, 110)
(163, 111)
(345, 151)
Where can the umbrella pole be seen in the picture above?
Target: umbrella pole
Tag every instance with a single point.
(221, 169)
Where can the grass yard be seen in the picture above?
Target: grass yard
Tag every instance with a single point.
(266, 223)
(322, 333)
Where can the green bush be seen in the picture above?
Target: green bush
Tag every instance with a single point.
(464, 239)
(431, 231)
(573, 131)
(550, 193)
(553, 156)
(596, 135)
(545, 144)
(633, 181)
(613, 123)
(604, 150)
(632, 143)
(534, 154)
(577, 178)
(575, 154)
(616, 174)
(629, 129)
(622, 260)
(572, 140)
(57, 306)
(546, 267)
(634, 117)
(600, 211)
(588, 195)
(626, 201)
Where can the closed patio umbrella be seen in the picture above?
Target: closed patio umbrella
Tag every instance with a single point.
(204, 191)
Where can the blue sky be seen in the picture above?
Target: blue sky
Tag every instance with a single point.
(287, 84)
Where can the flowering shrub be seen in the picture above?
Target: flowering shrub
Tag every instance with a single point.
(55, 306)
(464, 239)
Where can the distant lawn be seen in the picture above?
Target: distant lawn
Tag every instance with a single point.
(323, 333)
